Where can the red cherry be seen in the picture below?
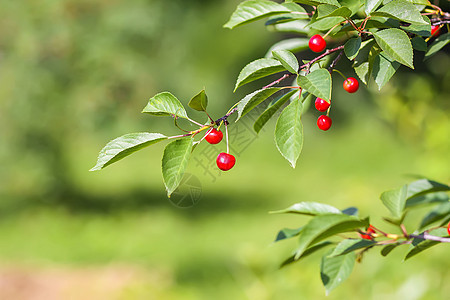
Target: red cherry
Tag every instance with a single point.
(214, 136)
(351, 85)
(324, 122)
(435, 30)
(448, 228)
(368, 234)
(321, 105)
(225, 161)
(317, 43)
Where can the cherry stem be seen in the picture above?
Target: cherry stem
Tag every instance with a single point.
(194, 122)
(335, 61)
(278, 80)
(226, 137)
(329, 31)
(328, 52)
(340, 73)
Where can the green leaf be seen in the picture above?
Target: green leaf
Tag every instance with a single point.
(326, 11)
(388, 249)
(351, 211)
(310, 209)
(362, 71)
(440, 212)
(296, 26)
(250, 101)
(371, 5)
(316, 2)
(419, 44)
(425, 186)
(324, 226)
(317, 83)
(165, 104)
(427, 199)
(252, 10)
(297, 13)
(287, 59)
(125, 145)
(271, 110)
(363, 59)
(258, 69)
(293, 45)
(287, 233)
(396, 44)
(437, 45)
(353, 5)
(308, 252)
(420, 245)
(326, 23)
(395, 200)
(383, 69)
(351, 47)
(419, 29)
(289, 132)
(350, 245)
(174, 162)
(199, 102)
(335, 270)
(401, 10)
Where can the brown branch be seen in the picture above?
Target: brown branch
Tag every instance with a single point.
(278, 80)
(328, 52)
(426, 236)
(335, 61)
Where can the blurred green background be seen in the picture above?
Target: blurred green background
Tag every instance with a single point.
(75, 73)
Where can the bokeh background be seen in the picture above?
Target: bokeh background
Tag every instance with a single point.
(75, 74)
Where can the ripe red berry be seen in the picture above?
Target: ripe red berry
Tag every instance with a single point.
(324, 122)
(448, 228)
(214, 136)
(351, 85)
(321, 105)
(225, 161)
(368, 234)
(317, 43)
(435, 30)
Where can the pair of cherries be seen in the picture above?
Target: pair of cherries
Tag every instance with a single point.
(224, 161)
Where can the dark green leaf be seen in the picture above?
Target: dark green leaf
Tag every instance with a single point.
(362, 70)
(437, 45)
(310, 209)
(199, 102)
(419, 44)
(335, 270)
(351, 211)
(287, 233)
(350, 245)
(440, 212)
(324, 226)
(361, 61)
(316, 2)
(258, 69)
(289, 132)
(388, 249)
(326, 23)
(396, 44)
(296, 26)
(287, 59)
(308, 252)
(383, 69)
(395, 200)
(351, 48)
(252, 10)
(427, 199)
(420, 245)
(425, 186)
(271, 110)
(125, 145)
(165, 104)
(174, 162)
(317, 83)
(371, 5)
(401, 10)
(250, 101)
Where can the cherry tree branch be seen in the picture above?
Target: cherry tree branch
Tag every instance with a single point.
(426, 236)
(328, 52)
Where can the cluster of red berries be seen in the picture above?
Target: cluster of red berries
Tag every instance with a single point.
(368, 234)
(224, 161)
(351, 85)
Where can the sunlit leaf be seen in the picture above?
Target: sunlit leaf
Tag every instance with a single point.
(174, 162)
(271, 110)
(125, 145)
(335, 270)
(349, 245)
(199, 102)
(258, 69)
(287, 59)
(310, 209)
(383, 69)
(165, 104)
(396, 44)
(252, 10)
(401, 10)
(395, 200)
(250, 101)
